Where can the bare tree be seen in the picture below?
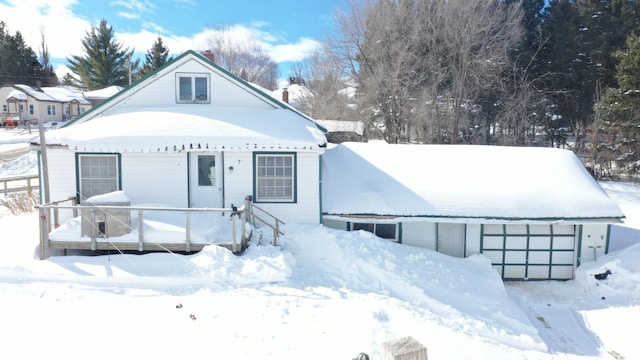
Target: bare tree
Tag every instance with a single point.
(420, 64)
(329, 94)
(246, 59)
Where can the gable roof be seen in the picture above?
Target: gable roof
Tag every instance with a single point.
(462, 181)
(145, 117)
(52, 94)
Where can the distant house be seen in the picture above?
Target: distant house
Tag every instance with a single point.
(536, 213)
(49, 104)
(339, 131)
(191, 135)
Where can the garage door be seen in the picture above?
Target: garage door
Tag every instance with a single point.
(530, 252)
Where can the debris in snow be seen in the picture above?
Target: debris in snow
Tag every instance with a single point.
(602, 276)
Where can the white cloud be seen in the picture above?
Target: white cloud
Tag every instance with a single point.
(293, 52)
(64, 31)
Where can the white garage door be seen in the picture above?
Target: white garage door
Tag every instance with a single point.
(531, 252)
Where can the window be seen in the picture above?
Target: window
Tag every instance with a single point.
(381, 230)
(97, 174)
(51, 109)
(275, 177)
(4, 108)
(192, 88)
(206, 170)
(31, 109)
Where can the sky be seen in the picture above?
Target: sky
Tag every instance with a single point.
(320, 294)
(289, 29)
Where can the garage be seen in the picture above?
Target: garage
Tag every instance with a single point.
(530, 252)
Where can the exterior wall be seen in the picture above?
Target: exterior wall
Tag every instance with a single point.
(163, 91)
(472, 241)
(306, 210)
(155, 179)
(592, 236)
(239, 181)
(421, 234)
(335, 224)
(62, 177)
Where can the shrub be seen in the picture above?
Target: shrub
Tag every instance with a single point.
(20, 202)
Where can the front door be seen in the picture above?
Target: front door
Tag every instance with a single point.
(205, 184)
(451, 239)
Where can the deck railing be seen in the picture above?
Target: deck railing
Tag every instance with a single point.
(255, 213)
(50, 215)
(27, 183)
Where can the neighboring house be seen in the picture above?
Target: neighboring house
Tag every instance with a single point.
(49, 104)
(191, 135)
(536, 213)
(339, 131)
(95, 97)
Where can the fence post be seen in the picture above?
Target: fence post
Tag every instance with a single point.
(44, 233)
(406, 348)
(140, 230)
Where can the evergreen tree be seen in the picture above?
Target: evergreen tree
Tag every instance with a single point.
(18, 62)
(620, 110)
(105, 63)
(155, 58)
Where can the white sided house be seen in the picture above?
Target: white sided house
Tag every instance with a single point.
(536, 213)
(190, 135)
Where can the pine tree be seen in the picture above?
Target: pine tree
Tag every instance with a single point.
(18, 62)
(155, 58)
(620, 109)
(105, 63)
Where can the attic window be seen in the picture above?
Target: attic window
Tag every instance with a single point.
(192, 88)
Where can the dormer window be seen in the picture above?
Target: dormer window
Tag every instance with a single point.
(192, 88)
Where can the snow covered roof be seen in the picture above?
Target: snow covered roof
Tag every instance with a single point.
(462, 181)
(102, 93)
(342, 125)
(214, 128)
(54, 94)
(18, 95)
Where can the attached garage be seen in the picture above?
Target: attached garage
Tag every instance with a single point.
(530, 252)
(535, 213)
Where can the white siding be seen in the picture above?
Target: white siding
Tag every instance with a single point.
(473, 239)
(62, 177)
(306, 210)
(157, 179)
(161, 89)
(239, 182)
(594, 236)
(335, 224)
(420, 234)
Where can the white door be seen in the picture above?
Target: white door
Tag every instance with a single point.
(451, 239)
(205, 184)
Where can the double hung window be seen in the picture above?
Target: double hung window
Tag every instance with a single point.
(275, 177)
(193, 88)
(97, 174)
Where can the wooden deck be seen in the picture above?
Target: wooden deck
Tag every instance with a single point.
(141, 229)
(149, 229)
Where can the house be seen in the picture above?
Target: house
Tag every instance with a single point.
(51, 104)
(536, 213)
(190, 136)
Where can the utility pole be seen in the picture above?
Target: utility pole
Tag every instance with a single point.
(43, 157)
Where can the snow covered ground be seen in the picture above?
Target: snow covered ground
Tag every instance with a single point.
(325, 294)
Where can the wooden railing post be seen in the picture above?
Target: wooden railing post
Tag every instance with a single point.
(92, 219)
(44, 232)
(234, 243)
(140, 230)
(188, 231)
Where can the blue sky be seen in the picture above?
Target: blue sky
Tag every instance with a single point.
(288, 29)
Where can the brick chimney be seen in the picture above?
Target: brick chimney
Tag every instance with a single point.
(209, 55)
(285, 95)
